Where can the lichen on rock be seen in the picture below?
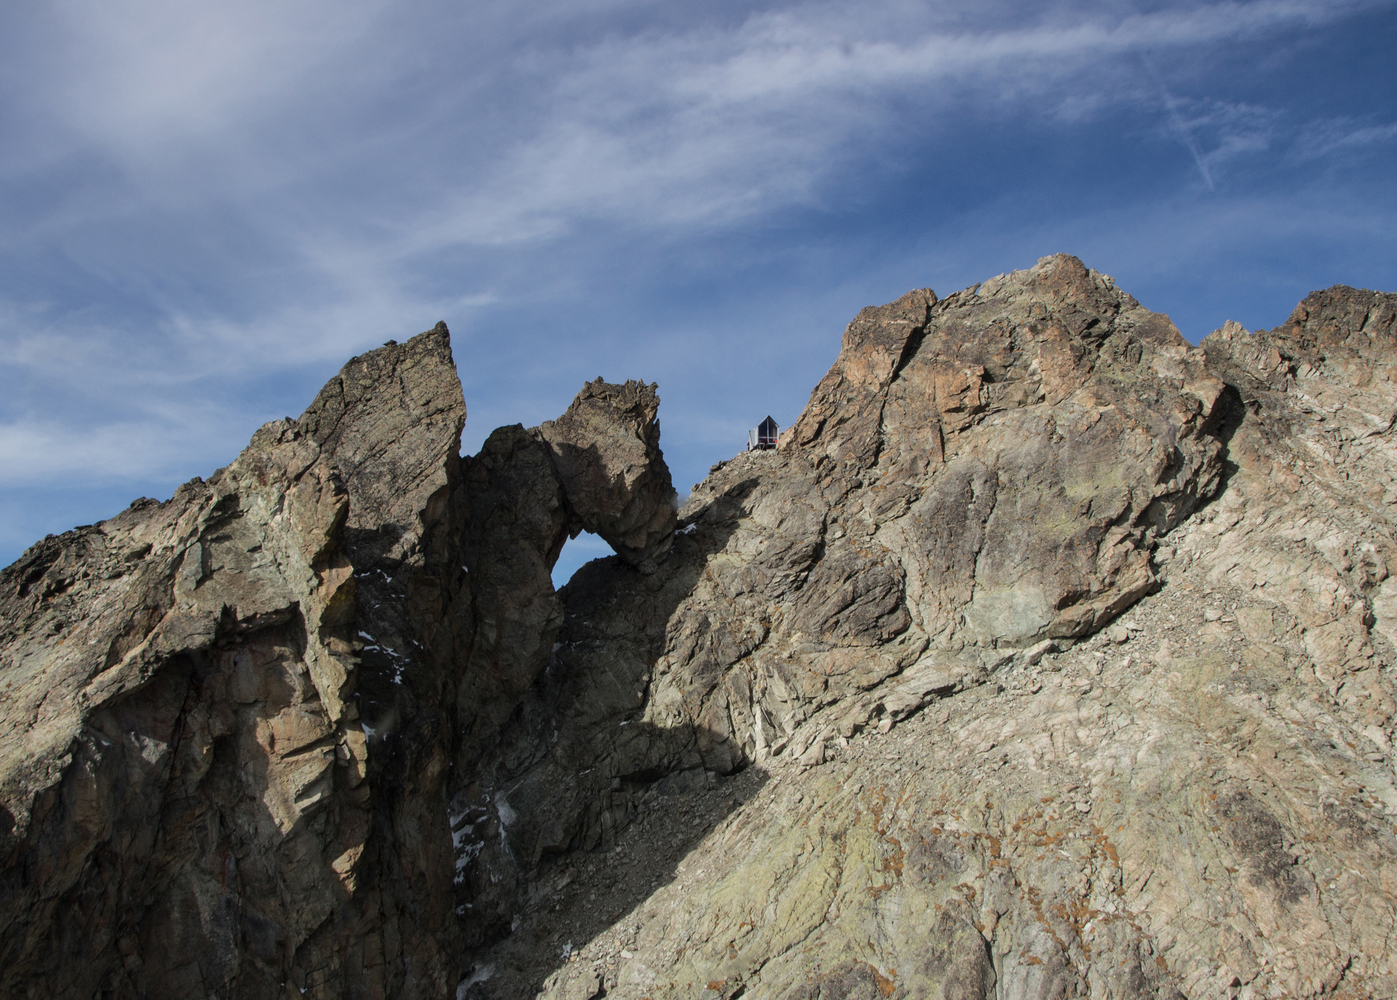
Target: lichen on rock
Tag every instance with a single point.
(1048, 656)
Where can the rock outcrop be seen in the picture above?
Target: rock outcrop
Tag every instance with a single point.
(191, 799)
(232, 721)
(1048, 656)
(929, 755)
(604, 449)
(597, 468)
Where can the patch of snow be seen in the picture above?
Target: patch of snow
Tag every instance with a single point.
(481, 974)
(465, 856)
(507, 815)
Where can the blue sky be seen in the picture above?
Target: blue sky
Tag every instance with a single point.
(208, 208)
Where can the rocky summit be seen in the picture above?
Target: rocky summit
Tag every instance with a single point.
(1048, 656)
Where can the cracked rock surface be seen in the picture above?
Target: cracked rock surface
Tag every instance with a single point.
(1048, 656)
(190, 799)
(1045, 658)
(232, 723)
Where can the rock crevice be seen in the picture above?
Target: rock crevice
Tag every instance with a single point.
(1048, 655)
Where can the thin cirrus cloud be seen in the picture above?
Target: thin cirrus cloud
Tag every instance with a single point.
(675, 126)
(139, 75)
(698, 124)
(210, 207)
(1342, 135)
(1216, 132)
(706, 126)
(34, 453)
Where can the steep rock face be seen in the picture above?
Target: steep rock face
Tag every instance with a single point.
(518, 527)
(192, 808)
(390, 425)
(231, 720)
(597, 468)
(1196, 800)
(1316, 465)
(175, 648)
(1047, 657)
(604, 449)
(1037, 431)
(975, 475)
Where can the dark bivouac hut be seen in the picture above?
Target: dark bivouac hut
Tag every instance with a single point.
(763, 436)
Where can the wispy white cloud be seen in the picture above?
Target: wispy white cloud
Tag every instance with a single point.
(709, 125)
(184, 349)
(282, 184)
(1342, 135)
(701, 122)
(1215, 132)
(35, 452)
(139, 77)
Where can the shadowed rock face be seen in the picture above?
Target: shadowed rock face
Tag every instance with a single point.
(194, 806)
(973, 787)
(604, 449)
(598, 468)
(228, 719)
(1048, 656)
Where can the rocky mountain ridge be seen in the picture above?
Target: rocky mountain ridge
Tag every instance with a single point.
(1049, 656)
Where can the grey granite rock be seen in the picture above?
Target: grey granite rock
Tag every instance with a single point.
(193, 805)
(863, 719)
(945, 778)
(606, 449)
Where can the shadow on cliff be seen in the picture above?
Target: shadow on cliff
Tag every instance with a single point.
(580, 907)
(590, 806)
(583, 906)
(1228, 417)
(156, 894)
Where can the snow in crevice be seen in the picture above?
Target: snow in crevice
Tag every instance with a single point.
(507, 815)
(479, 974)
